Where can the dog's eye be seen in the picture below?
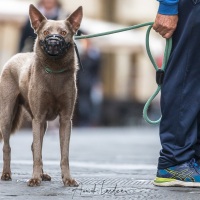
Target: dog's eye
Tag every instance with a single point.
(46, 33)
(63, 33)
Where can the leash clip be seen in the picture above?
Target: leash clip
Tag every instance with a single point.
(160, 74)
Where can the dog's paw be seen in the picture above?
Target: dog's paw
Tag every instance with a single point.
(70, 182)
(6, 177)
(34, 182)
(46, 177)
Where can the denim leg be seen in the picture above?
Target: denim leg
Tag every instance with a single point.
(197, 145)
(180, 96)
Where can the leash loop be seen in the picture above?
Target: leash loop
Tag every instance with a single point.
(160, 72)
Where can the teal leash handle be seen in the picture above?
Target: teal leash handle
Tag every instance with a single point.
(164, 65)
(167, 53)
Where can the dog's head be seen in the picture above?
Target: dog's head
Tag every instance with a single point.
(54, 37)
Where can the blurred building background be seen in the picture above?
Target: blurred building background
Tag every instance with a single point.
(124, 76)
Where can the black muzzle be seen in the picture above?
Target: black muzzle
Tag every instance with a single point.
(54, 45)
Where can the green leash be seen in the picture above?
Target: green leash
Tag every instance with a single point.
(159, 74)
(159, 71)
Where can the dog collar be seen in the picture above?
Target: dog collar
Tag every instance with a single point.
(50, 71)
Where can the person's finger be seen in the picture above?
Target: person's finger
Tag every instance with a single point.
(155, 26)
(158, 28)
(163, 32)
(168, 34)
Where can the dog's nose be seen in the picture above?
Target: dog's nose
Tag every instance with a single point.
(53, 46)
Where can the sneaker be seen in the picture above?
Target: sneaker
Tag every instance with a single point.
(186, 175)
(198, 161)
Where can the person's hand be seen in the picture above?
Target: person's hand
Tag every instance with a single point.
(165, 25)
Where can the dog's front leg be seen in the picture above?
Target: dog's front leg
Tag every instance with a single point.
(65, 132)
(45, 177)
(38, 127)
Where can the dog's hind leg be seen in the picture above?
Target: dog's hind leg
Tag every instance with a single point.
(1, 137)
(6, 118)
(6, 174)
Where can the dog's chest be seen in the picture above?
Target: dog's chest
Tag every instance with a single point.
(54, 101)
(49, 95)
(51, 105)
(52, 111)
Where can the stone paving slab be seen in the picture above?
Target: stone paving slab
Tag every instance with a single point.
(109, 164)
(94, 188)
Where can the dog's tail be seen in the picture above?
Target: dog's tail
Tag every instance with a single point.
(1, 137)
(18, 119)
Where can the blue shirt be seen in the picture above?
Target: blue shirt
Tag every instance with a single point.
(168, 7)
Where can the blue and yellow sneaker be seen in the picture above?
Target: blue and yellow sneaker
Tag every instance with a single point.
(186, 175)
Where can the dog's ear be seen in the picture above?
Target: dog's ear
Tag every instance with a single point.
(36, 18)
(75, 18)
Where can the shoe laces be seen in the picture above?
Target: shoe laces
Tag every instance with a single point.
(193, 164)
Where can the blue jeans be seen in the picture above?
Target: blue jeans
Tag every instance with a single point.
(180, 96)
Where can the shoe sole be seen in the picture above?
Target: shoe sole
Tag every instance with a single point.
(174, 183)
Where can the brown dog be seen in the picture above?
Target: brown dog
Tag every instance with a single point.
(42, 84)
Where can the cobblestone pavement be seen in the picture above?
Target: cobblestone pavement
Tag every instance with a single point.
(112, 163)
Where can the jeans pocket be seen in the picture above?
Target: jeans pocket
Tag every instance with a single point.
(195, 1)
